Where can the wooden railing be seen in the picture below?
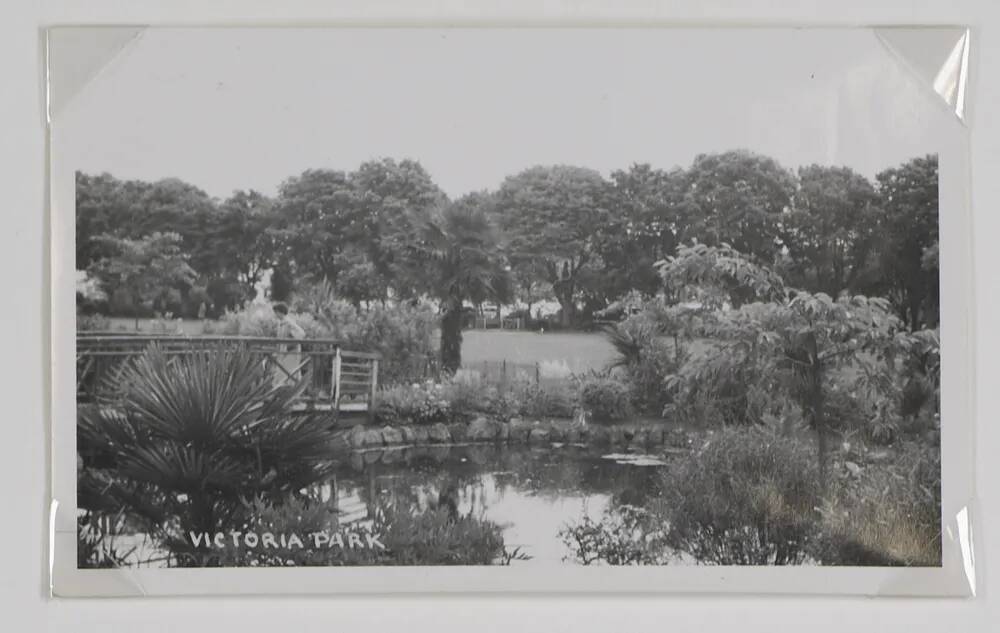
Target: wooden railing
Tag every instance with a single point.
(337, 379)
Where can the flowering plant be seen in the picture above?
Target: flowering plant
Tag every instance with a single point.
(419, 403)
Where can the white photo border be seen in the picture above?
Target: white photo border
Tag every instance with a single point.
(956, 576)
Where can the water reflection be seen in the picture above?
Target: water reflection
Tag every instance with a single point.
(531, 492)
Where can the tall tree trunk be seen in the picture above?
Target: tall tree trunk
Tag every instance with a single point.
(564, 294)
(823, 454)
(915, 301)
(819, 423)
(451, 337)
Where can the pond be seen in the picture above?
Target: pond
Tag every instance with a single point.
(531, 492)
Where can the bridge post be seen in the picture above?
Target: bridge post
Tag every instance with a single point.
(335, 387)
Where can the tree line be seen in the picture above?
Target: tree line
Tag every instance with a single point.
(386, 231)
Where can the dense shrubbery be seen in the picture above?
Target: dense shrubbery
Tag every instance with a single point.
(625, 535)
(555, 400)
(605, 399)
(748, 497)
(420, 403)
(467, 395)
(260, 320)
(410, 537)
(646, 358)
(402, 333)
(470, 394)
(188, 438)
(887, 513)
(92, 323)
(722, 389)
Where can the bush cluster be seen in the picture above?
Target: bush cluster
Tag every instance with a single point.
(625, 535)
(92, 323)
(647, 356)
(259, 320)
(419, 403)
(745, 498)
(467, 395)
(410, 537)
(890, 514)
(723, 390)
(555, 400)
(402, 333)
(605, 399)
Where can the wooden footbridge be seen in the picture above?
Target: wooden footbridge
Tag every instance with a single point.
(336, 379)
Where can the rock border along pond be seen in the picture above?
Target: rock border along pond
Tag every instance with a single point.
(519, 431)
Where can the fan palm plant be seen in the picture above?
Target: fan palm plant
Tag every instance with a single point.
(459, 258)
(190, 439)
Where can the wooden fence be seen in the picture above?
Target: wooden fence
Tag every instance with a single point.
(337, 379)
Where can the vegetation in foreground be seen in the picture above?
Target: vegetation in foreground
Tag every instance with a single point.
(814, 294)
(187, 439)
(205, 444)
(752, 497)
(405, 536)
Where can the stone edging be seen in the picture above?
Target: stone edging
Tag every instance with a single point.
(517, 431)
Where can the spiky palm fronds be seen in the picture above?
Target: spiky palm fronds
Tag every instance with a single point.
(201, 433)
(628, 342)
(458, 253)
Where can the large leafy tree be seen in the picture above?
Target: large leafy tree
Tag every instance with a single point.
(320, 222)
(395, 197)
(215, 246)
(830, 232)
(791, 344)
(808, 338)
(240, 239)
(457, 253)
(550, 217)
(147, 273)
(908, 233)
(716, 275)
(350, 228)
(643, 227)
(173, 206)
(103, 206)
(737, 198)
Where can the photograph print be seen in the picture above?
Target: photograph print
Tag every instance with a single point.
(617, 297)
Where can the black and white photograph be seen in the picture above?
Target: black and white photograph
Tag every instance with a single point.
(527, 298)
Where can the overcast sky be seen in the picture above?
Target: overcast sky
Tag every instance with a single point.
(228, 109)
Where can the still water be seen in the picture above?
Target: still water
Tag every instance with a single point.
(531, 492)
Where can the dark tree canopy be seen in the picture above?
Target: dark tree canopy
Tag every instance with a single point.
(350, 228)
(567, 233)
(320, 221)
(143, 274)
(737, 198)
(550, 217)
(908, 233)
(830, 232)
(642, 228)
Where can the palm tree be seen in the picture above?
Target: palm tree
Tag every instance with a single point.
(189, 439)
(458, 258)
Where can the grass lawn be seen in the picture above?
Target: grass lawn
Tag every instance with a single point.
(579, 351)
(576, 351)
(191, 327)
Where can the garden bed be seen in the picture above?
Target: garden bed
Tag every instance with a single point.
(637, 434)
